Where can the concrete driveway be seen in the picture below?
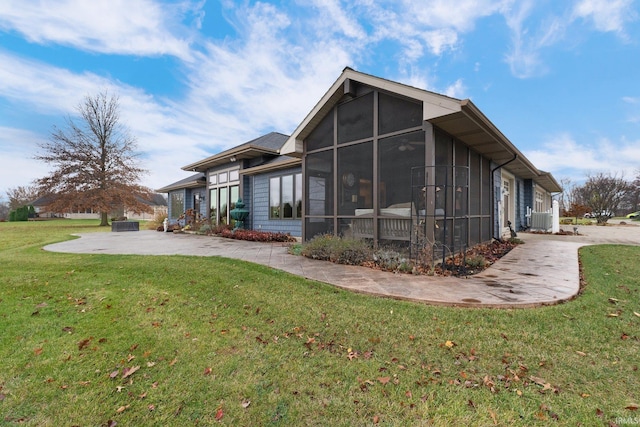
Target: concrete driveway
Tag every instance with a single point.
(543, 271)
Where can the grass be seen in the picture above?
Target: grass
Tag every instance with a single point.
(223, 341)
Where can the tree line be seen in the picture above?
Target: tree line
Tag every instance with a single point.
(602, 196)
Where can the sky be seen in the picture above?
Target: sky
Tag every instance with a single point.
(561, 79)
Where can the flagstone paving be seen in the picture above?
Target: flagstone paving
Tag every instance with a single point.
(543, 271)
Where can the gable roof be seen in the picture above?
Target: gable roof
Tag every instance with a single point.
(193, 181)
(460, 118)
(266, 144)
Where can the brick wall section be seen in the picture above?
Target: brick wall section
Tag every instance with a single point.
(260, 207)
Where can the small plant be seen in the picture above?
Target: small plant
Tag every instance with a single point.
(476, 261)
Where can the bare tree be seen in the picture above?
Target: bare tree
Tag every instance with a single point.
(95, 162)
(21, 196)
(603, 194)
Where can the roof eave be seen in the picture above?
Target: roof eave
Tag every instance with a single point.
(229, 156)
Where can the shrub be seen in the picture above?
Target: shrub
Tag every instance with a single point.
(256, 236)
(343, 251)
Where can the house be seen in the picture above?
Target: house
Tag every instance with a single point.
(270, 185)
(380, 160)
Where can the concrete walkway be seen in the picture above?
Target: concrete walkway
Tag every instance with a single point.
(543, 271)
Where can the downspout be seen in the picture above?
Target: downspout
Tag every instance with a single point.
(493, 190)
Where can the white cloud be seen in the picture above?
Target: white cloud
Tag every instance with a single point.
(563, 156)
(141, 27)
(607, 16)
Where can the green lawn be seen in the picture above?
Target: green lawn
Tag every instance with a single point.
(94, 340)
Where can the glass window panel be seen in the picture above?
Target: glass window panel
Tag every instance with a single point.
(319, 183)
(298, 195)
(214, 205)
(274, 198)
(234, 175)
(396, 157)
(355, 119)
(234, 195)
(222, 177)
(213, 178)
(355, 178)
(177, 204)
(396, 113)
(223, 204)
(287, 196)
(322, 135)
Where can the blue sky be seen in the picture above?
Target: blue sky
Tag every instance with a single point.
(561, 79)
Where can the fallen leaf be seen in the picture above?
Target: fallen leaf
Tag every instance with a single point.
(384, 380)
(614, 300)
(127, 372)
(143, 395)
(376, 419)
(68, 329)
(41, 305)
(111, 423)
(173, 362)
(219, 414)
(450, 344)
(493, 417)
(599, 412)
(636, 313)
(122, 409)
(581, 353)
(84, 343)
(585, 395)
(632, 407)
(207, 371)
(37, 351)
(624, 336)
(151, 407)
(246, 403)
(613, 315)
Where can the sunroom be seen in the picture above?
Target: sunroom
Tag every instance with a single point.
(404, 166)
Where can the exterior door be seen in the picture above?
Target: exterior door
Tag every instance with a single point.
(508, 205)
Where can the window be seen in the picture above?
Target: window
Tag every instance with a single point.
(539, 202)
(177, 204)
(285, 197)
(224, 193)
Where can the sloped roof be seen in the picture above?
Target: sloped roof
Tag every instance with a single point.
(267, 144)
(193, 181)
(460, 118)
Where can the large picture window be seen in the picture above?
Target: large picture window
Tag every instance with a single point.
(224, 191)
(285, 197)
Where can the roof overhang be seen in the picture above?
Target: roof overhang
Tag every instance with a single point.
(230, 156)
(473, 128)
(460, 118)
(182, 185)
(269, 167)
